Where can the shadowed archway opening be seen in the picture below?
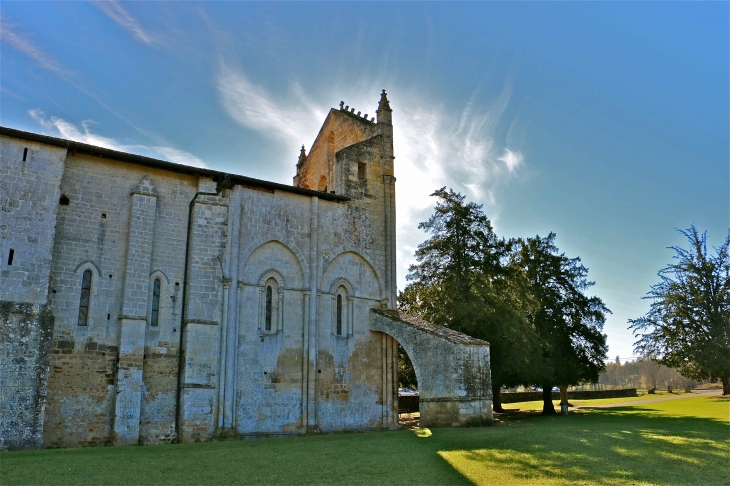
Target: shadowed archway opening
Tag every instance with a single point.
(408, 408)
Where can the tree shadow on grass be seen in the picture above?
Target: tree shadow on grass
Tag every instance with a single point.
(622, 445)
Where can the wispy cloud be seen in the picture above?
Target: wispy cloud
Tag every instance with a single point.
(436, 144)
(290, 119)
(9, 36)
(115, 11)
(64, 129)
(441, 145)
(44, 60)
(179, 156)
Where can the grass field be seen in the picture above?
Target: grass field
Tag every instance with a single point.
(674, 442)
(537, 404)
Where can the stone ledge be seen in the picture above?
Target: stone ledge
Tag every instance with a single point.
(197, 385)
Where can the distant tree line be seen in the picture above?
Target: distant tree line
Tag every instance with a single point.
(646, 374)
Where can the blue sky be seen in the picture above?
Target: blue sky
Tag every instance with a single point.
(604, 122)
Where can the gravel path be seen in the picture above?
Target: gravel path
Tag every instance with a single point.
(655, 400)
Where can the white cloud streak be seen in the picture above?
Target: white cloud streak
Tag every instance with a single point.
(27, 47)
(436, 144)
(115, 11)
(254, 107)
(179, 156)
(59, 127)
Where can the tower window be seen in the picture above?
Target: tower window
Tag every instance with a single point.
(11, 255)
(85, 298)
(155, 316)
(322, 186)
(361, 167)
(25, 153)
(64, 200)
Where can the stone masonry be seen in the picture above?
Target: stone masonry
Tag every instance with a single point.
(452, 369)
(145, 302)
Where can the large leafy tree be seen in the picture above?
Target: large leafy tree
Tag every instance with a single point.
(463, 280)
(569, 323)
(688, 324)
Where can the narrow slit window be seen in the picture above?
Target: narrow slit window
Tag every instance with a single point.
(361, 167)
(339, 314)
(25, 153)
(11, 255)
(85, 298)
(155, 316)
(267, 322)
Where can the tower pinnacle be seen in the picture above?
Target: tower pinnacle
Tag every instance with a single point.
(302, 157)
(384, 104)
(384, 112)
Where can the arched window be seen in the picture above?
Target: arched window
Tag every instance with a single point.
(85, 298)
(271, 304)
(155, 316)
(268, 310)
(322, 184)
(339, 314)
(342, 308)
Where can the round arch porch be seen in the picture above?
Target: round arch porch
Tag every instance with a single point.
(454, 378)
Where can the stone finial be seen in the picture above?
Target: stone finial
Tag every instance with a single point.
(302, 156)
(372, 119)
(145, 187)
(342, 103)
(347, 108)
(365, 116)
(384, 103)
(352, 110)
(358, 113)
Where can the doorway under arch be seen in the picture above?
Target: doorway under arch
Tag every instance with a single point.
(408, 401)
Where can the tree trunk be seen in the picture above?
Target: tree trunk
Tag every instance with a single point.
(547, 401)
(496, 400)
(725, 385)
(563, 394)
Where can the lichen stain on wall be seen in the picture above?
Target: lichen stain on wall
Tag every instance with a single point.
(157, 415)
(288, 372)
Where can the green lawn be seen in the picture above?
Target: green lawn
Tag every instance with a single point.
(674, 442)
(537, 404)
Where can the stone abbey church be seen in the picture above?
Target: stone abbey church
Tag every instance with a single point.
(146, 302)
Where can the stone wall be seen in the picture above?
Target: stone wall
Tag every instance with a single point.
(30, 175)
(25, 338)
(93, 233)
(340, 129)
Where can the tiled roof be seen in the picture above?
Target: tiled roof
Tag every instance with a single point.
(441, 331)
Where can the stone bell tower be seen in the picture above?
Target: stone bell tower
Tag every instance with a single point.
(353, 156)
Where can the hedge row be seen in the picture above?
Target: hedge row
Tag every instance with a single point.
(410, 404)
(575, 395)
